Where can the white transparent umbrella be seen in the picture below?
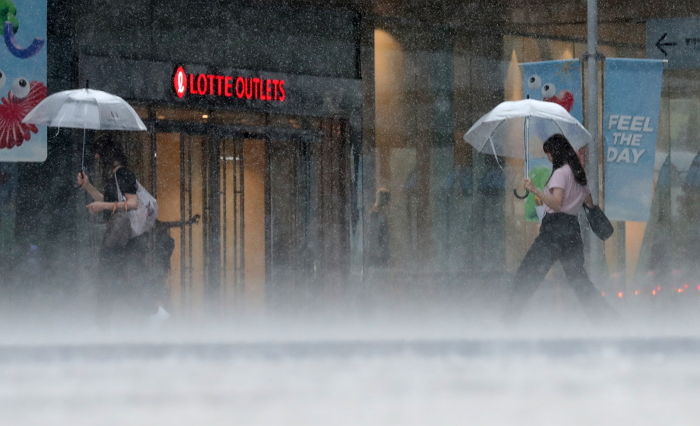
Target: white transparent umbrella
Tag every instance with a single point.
(508, 128)
(85, 109)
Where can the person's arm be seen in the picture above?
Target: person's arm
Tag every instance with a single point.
(131, 203)
(180, 223)
(552, 198)
(589, 201)
(127, 181)
(84, 182)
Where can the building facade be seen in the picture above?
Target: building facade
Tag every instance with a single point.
(277, 122)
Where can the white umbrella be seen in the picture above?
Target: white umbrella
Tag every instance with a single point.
(498, 131)
(85, 109)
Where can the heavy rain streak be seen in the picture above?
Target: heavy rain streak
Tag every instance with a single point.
(349, 212)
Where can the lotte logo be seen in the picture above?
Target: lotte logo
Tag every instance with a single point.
(227, 86)
(180, 82)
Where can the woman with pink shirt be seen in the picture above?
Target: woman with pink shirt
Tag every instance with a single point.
(560, 235)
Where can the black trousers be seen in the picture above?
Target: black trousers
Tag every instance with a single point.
(559, 240)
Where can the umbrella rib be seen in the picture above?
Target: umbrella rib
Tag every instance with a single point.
(489, 138)
(557, 124)
(493, 149)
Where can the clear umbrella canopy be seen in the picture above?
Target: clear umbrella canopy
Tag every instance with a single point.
(517, 129)
(85, 109)
(511, 126)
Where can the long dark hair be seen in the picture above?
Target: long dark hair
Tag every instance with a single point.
(563, 153)
(110, 152)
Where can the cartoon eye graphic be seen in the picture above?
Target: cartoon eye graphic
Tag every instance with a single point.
(549, 90)
(20, 87)
(534, 81)
(2, 78)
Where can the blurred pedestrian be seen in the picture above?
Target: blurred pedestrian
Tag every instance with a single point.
(162, 246)
(377, 281)
(378, 232)
(121, 268)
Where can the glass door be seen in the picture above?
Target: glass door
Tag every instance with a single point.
(292, 222)
(180, 194)
(273, 208)
(241, 240)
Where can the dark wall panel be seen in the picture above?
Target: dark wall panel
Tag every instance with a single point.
(256, 36)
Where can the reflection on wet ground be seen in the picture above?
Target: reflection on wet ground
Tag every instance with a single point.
(560, 348)
(509, 381)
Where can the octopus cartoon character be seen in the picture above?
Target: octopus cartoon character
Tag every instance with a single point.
(22, 97)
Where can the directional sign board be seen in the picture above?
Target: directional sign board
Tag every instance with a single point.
(675, 39)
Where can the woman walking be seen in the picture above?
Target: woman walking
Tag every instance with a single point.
(121, 258)
(560, 236)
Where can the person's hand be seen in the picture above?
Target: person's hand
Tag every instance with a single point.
(82, 179)
(529, 186)
(98, 206)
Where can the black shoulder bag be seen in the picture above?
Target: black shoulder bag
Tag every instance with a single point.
(600, 224)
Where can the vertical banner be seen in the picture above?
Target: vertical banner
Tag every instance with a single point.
(22, 79)
(553, 81)
(22, 87)
(632, 94)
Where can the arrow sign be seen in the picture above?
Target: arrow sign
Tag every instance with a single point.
(674, 39)
(660, 45)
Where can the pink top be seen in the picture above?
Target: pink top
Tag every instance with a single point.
(574, 192)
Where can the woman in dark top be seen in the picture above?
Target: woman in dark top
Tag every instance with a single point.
(560, 236)
(120, 265)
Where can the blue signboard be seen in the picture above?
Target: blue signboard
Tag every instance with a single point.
(22, 78)
(630, 125)
(552, 81)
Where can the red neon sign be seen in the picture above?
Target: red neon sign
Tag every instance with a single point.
(228, 86)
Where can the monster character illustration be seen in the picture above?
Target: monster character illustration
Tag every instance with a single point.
(20, 86)
(548, 92)
(21, 98)
(555, 81)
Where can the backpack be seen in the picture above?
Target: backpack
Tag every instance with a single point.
(143, 218)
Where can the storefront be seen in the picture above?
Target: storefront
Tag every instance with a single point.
(268, 162)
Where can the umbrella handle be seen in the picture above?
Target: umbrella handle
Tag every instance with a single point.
(76, 186)
(520, 197)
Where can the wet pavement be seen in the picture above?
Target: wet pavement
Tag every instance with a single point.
(422, 381)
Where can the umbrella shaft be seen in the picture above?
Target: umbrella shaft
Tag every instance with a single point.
(82, 157)
(526, 147)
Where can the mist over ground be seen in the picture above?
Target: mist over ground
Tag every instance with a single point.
(378, 360)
